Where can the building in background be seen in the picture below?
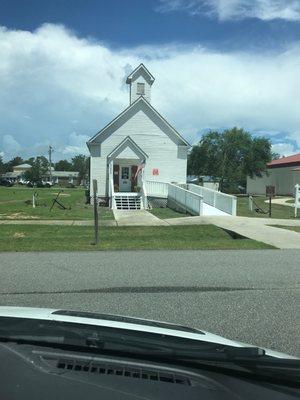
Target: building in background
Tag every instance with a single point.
(63, 178)
(58, 177)
(283, 173)
(204, 180)
(17, 173)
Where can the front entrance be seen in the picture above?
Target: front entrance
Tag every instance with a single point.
(125, 178)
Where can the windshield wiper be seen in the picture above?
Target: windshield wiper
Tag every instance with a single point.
(149, 346)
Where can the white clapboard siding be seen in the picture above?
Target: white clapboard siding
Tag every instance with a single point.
(163, 153)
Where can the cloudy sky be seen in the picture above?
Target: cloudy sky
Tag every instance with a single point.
(217, 64)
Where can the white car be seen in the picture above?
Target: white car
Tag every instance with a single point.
(60, 354)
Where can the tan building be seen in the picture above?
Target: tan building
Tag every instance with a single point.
(283, 173)
(21, 168)
(18, 172)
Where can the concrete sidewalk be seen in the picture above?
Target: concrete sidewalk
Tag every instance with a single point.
(283, 201)
(59, 222)
(137, 218)
(254, 228)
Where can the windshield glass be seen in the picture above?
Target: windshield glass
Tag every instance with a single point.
(150, 180)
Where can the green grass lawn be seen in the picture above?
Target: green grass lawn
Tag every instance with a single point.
(291, 228)
(278, 211)
(73, 238)
(16, 203)
(164, 213)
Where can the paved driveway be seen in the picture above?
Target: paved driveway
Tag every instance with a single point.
(252, 296)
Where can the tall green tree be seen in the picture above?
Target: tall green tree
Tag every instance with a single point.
(13, 162)
(40, 168)
(2, 165)
(80, 163)
(63, 165)
(230, 156)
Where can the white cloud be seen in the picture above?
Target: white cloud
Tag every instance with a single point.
(284, 149)
(10, 145)
(236, 9)
(77, 144)
(57, 78)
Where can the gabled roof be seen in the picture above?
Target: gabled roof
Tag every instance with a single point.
(285, 161)
(128, 142)
(139, 68)
(22, 166)
(63, 174)
(141, 99)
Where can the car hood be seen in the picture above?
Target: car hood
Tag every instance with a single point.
(128, 323)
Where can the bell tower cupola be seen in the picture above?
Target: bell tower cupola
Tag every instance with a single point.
(140, 82)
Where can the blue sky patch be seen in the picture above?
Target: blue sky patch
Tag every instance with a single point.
(63, 66)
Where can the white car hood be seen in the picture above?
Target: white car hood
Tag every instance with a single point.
(143, 326)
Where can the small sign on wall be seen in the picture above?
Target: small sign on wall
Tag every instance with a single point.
(155, 171)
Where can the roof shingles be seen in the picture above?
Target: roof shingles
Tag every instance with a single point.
(293, 160)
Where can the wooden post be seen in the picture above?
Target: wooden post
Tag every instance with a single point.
(96, 222)
(297, 198)
(250, 203)
(270, 207)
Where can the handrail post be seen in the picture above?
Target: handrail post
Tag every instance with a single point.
(111, 191)
(234, 206)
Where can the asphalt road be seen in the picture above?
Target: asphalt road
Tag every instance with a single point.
(252, 296)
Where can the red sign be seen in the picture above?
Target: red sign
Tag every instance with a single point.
(155, 171)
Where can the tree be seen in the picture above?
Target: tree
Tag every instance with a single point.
(230, 156)
(80, 164)
(40, 167)
(29, 161)
(63, 165)
(276, 156)
(2, 166)
(13, 162)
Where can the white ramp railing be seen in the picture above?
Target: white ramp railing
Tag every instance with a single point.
(187, 200)
(222, 201)
(157, 189)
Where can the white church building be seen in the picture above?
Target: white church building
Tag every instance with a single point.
(138, 145)
(139, 159)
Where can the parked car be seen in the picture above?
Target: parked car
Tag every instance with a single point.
(6, 182)
(40, 184)
(23, 182)
(47, 184)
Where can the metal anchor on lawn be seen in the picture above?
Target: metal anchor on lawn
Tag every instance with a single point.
(59, 204)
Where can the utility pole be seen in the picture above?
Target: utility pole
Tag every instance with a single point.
(50, 162)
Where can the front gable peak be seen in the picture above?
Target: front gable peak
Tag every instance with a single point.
(140, 104)
(127, 144)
